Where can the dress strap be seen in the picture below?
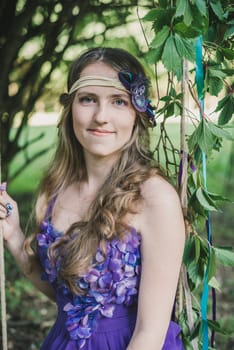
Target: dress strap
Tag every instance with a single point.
(50, 207)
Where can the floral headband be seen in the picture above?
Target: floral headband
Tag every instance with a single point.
(138, 85)
(135, 85)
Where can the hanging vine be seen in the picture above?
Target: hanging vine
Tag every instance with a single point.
(177, 27)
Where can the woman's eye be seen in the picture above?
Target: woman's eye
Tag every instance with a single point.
(121, 102)
(86, 99)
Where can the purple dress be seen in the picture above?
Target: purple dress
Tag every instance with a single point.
(104, 317)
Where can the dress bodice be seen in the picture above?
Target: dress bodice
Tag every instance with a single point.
(113, 279)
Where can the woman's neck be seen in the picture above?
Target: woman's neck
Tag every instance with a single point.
(98, 169)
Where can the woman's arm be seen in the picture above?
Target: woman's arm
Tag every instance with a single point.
(163, 235)
(14, 239)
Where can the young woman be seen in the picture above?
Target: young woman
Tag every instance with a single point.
(110, 228)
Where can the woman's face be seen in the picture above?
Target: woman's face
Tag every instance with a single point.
(103, 117)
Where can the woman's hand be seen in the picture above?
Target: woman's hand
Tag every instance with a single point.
(9, 216)
(14, 238)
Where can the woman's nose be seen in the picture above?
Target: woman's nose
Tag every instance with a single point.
(101, 113)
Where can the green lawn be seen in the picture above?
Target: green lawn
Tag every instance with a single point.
(29, 179)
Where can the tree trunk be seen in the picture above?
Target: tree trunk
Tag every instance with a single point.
(4, 151)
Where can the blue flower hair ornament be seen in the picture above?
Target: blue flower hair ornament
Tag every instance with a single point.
(137, 85)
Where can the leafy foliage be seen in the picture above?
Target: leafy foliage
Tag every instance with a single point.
(177, 26)
(41, 41)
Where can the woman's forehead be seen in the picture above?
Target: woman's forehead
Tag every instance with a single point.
(101, 69)
(102, 90)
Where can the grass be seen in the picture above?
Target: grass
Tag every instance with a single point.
(28, 180)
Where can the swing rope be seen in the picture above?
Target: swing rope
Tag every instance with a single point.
(2, 282)
(182, 184)
(205, 292)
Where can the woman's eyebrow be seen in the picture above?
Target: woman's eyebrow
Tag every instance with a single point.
(86, 93)
(120, 95)
(116, 95)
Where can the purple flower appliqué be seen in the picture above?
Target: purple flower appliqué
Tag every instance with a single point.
(44, 239)
(112, 279)
(137, 85)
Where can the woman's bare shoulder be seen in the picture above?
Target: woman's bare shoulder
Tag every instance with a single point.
(161, 207)
(158, 189)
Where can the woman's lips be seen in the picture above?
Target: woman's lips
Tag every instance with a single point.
(100, 132)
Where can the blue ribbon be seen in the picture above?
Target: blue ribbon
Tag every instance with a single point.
(205, 292)
(199, 71)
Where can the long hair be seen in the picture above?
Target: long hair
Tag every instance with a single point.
(120, 192)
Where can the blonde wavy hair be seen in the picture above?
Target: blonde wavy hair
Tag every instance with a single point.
(119, 193)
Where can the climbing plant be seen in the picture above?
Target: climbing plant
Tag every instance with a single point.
(191, 41)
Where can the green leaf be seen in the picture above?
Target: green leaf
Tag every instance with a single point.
(154, 55)
(194, 138)
(228, 53)
(200, 21)
(231, 21)
(165, 98)
(229, 32)
(227, 110)
(163, 17)
(219, 56)
(203, 137)
(185, 48)
(151, 15)
(172, 92)
(214, 283)
(163, 3)
(210, 199)
(222, 103)
(196, 206)
(171, 58)
(177, 109)
(169, 110)
(183, 9)
(188, 251)
(216, 327)
(207, 140)
(218, 197)
(214, 87)
(204, 200)
(183, 324)
(197, 248)
(192, 180)
(219, 131)
(214, 80)
(216, 73)
(228, 71)
(211, 266)
(225, 257)
(201, 5)
(195, 272)
(217, 8)
(160, 37)
(186, 31)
